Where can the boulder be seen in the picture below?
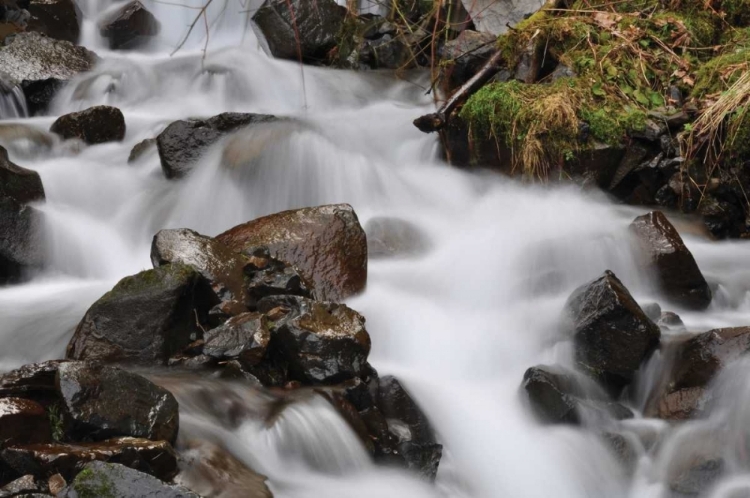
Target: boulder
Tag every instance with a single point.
(113, 480)
(23, 421)
(679, 276)
(43, 460)
(35, 382)
(21, 244)
(612, 334)
(41, 65)
(682, 404)
(498, 16)
(95, 125)
(406, 421)
(213, 260)
(59, 19)
(25, 486)
(130, 27)
(145, 318)
(326, 244)
(299, 29)
(268, 276)
(91, 398)
(467, 53)
(321, 342)
(392, 237)
(244, 337)
(182, 143)
(23, 185)
(701, 357)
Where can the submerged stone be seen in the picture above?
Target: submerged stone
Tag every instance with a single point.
(95, 125)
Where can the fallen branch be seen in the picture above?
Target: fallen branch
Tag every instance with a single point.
(437, 120)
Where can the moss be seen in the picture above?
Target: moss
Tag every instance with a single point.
(737, 12)
(611, 126)
(738, 141)
(56, 422)
(91, 484)
(721, 72)
(147, 280)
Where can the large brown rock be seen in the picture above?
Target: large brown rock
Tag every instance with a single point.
(297, 29)
(325, 243)
(100, 402)
(182, 143)
(678, 273)
(23, 421)
(23, 185)
(682, 404)
(321, 342)
(95, 125)
(130, 27)
(700, 358)
(145, 318)
(59, 19)
(612, 334)
(43, 460)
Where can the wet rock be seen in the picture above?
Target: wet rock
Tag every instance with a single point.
(325, 243)
(244, 337)
(23, 185)
(59, 19)
(468, 52)
(392, 237)
(702, 356)
(267, 276)
(21, 245)
(120, 481)
(91, 397)
(23, 421)
(322, 342)
(213, 472)
(130, 27)
(387, 52)
(95, 125)
(145, 318)
(35, 382)
(182, 143)
(297, 29)
(22, 487)
(213, 260)
(680, 278)
(41, 65)
(682, 404)
(670, 321)
(612, 334)
(415, 436)
(697, 477)
(43, 460)
(652, 311)
(141, 149)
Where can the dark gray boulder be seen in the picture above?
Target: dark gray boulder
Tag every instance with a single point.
(244, 337)
(101, 402)
(113, 480)
(21, 240)
(182, 143)
(23, 185)
(612, 334)
(300, 29)
(678, 273)
(95, 125)
(130, 27)
(59, 19)
(145, 318)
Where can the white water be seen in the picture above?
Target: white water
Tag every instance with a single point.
(458, 325)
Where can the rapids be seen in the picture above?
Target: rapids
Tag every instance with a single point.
(458, 325)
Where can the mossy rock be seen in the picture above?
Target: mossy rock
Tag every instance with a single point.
(108, 480)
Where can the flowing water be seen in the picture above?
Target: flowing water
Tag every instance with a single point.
(458, 325)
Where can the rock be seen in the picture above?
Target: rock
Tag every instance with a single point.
(697, 477)
(562, 71)
(416, 439)
(702, 356)
(670, 321)
(652, 311)
(59, 19)
(530, 62)
(392, 237)
(297, 29)
(213, 260)
(495, 16)
(244, 337)
(682, 404)
(267, 276)
(23, 185)
(106, 480)
(56, 484)
(140, 149)
(35, 382)
(23, 421)
(212, 471)
(130, 27)
(21, 244)
(182, 143)
(325, 243)
(652, 130)
(23, 486)
(468, 52)
(146, 318)
(92, 395)
(41, 65)
(42, 460)
(612, 335)
(95, 125)
(679, 276)
(322, 342)
(387, 52)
